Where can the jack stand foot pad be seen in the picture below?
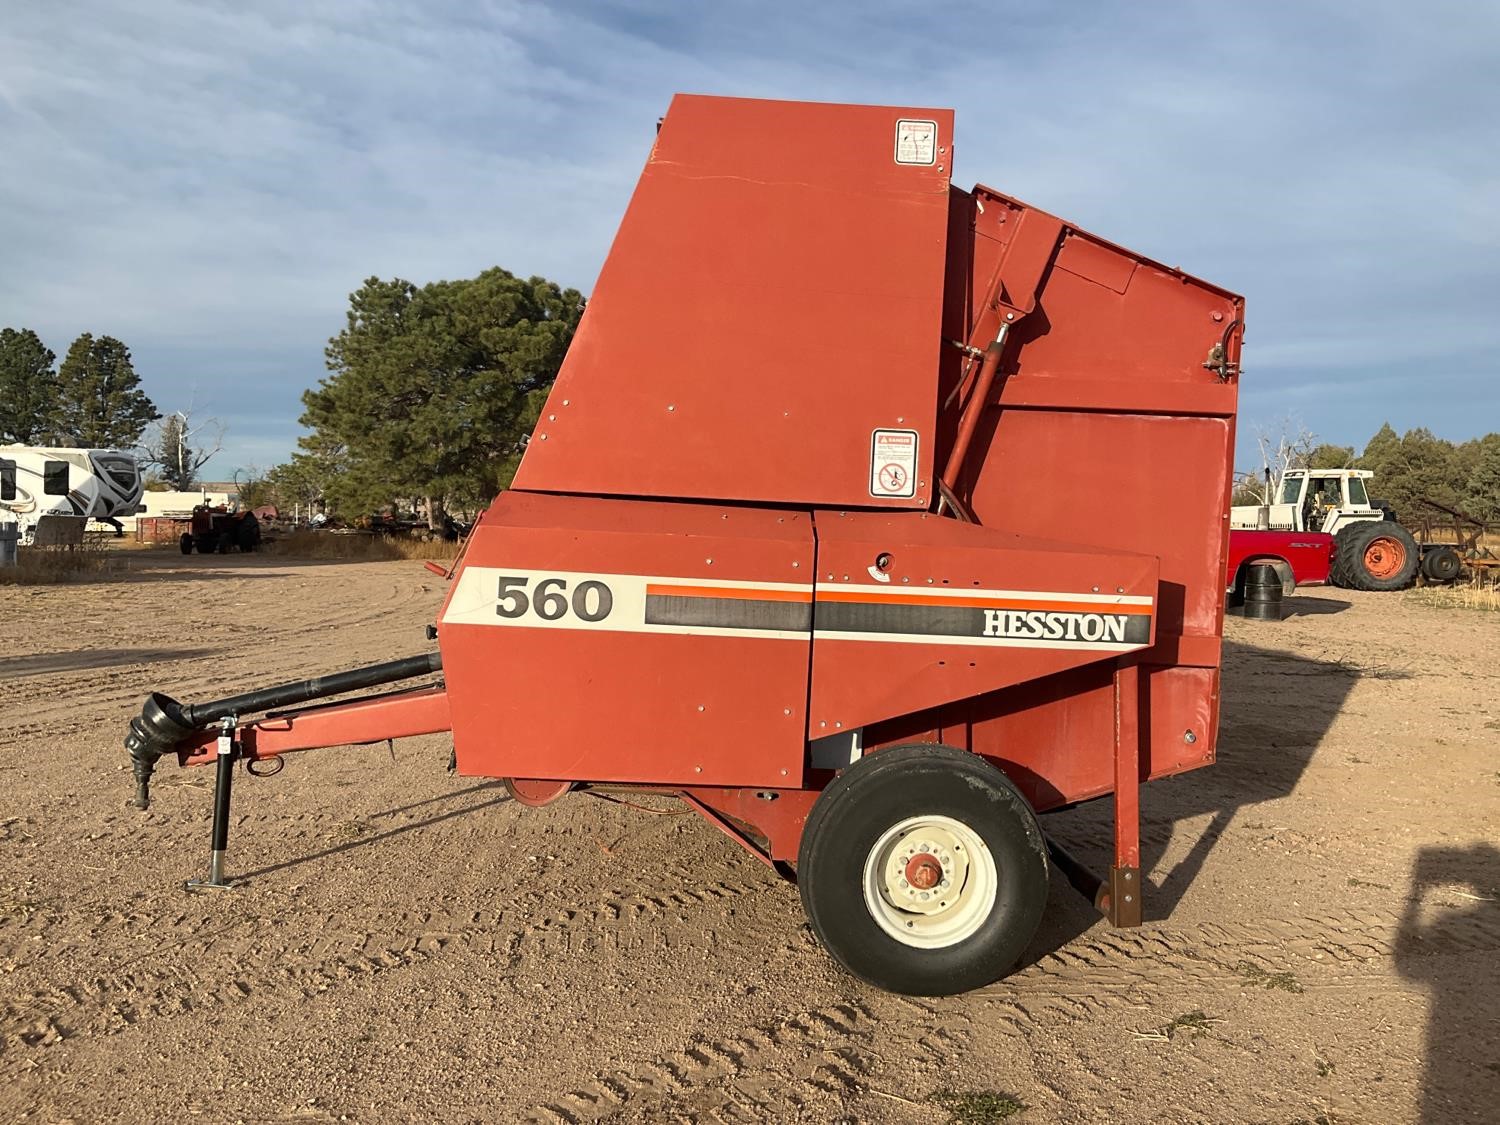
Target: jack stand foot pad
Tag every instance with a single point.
(207, 885)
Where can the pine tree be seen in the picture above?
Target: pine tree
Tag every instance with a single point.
(434, 388)
(99, 401)
(28, 387)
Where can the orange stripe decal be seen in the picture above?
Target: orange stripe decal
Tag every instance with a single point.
(970, 601)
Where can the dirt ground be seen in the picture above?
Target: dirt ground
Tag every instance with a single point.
(1323, 942)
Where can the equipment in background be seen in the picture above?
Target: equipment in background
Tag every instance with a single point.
(219, 530)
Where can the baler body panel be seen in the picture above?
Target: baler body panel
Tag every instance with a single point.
(958, 611)
(767, 326)
(605, 640)
(1109, 427)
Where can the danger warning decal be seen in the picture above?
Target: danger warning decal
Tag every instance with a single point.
(787, 611)
(893, 463)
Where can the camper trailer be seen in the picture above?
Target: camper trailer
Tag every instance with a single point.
(71, 484)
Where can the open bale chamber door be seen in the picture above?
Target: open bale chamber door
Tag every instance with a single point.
(870, 516)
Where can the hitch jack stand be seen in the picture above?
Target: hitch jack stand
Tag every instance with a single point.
(223, 783)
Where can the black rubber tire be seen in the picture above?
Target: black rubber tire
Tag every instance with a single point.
(1339, 570)
(1349, 546)
(205, 544)
(1441, 564)
(880, 791)
(185, 544)
(247, 533)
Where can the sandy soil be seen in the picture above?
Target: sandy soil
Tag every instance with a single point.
(1323, 943)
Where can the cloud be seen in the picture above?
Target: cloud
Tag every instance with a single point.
(209, 181)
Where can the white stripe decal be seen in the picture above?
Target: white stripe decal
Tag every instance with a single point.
(576, 600)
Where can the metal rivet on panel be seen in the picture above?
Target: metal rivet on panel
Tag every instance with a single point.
(670, 408)
(710, 562)
(566, 401)
(700, 706)
(552, 417)
(786, 710)
(1096, 589)
(544, 437)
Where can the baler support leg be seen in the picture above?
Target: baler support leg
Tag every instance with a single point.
(228, 753)
(1122, 899)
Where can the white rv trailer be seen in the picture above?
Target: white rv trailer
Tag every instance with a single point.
(81, 484)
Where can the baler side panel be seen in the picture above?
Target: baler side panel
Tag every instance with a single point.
(600, 640)
(959, 611)
(1109, 429)
(773, 297)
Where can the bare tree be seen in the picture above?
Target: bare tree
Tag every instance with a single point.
(180, 444)
(1284, 444)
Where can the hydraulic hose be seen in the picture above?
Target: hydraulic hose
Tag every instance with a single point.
(164, 722)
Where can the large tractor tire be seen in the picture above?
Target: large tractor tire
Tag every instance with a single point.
(185, 544)
(1375, 555)
(923, 870)
(247, 533)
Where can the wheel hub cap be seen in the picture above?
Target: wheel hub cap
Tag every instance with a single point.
(930, 881)
(924, 871)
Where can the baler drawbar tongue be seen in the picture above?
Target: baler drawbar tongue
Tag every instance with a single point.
(164, 723)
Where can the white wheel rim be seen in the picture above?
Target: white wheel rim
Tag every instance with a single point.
(954, 905)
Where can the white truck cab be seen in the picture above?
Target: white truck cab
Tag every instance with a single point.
(1326, 500)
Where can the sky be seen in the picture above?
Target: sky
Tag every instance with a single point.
(209, 181)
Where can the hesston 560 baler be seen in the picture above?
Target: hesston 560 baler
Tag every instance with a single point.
(869, 516)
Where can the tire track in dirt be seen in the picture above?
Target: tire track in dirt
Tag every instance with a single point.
(213, 966)
(740, 1077)
(271, 648)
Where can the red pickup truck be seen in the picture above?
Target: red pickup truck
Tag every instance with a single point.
(1301, 558)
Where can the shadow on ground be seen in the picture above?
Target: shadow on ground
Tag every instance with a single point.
(1452, 916)
(364, 841)
(48, 663)
(1276, 709)
(1304, 605)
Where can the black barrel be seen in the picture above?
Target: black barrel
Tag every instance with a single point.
(1263, 593)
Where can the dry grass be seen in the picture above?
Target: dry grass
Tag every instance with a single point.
(47, 566)
(1479, 593)
(359, 546)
